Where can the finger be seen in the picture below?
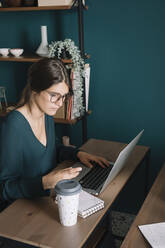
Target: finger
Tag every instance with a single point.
(98, 162)
(74, 170)
(88, 164)
(104, 161)
(75, 174)
(71, 175)
(78, 169)
(101, 163)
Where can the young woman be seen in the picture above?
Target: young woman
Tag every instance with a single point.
(28, 152)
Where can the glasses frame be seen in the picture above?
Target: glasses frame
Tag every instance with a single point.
(58, 97)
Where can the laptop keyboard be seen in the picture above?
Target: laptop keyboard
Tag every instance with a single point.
(95, 177)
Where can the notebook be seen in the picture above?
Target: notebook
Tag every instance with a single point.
(89, 204)
(154, 234)
(104, 176)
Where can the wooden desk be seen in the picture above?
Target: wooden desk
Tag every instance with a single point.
(36, 221)
(152, 211)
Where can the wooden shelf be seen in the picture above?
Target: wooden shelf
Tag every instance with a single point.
(28, 58)
(12, 9)
(4, 9)
(64, 121)
(72, 122)
(56, 120)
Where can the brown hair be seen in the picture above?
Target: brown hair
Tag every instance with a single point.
(41, 76)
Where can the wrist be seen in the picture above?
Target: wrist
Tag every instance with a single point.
(45, 183)
(50, 180)
(80, 154)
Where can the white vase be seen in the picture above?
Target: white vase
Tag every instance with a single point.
(43, 48)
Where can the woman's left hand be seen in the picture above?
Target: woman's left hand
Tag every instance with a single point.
(86, 159)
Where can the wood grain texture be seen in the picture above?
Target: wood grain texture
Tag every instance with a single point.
(152, 211)
(36, 221)
(28, 58)
(15, 9)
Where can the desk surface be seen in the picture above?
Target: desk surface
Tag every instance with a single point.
(36, 221)
(152, 211)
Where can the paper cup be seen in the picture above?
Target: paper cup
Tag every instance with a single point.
(68, 201)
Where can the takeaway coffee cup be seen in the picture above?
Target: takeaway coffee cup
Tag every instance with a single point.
(67, 198)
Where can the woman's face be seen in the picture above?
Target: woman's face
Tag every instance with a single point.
(51, 99)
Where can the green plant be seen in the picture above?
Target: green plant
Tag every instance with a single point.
(68, 50)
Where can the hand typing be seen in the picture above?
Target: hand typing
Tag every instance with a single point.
(86, 159)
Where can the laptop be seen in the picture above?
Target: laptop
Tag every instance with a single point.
(95, 180)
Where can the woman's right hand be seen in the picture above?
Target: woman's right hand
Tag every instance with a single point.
(51, 179)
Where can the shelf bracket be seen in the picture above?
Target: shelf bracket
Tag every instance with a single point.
(81, 47)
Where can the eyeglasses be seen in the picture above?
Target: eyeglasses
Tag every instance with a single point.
(55, 97)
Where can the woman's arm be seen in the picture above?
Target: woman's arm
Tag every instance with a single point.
(66, 153)
(71, 153)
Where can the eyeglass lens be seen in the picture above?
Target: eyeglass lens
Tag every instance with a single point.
(57, 97)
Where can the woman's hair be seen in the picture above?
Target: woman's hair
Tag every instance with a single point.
(42, 75)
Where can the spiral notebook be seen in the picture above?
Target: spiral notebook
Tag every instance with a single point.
(89, 204)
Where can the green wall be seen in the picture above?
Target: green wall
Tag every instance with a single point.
(126, 42)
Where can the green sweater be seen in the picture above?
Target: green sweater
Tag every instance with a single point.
(24, 160)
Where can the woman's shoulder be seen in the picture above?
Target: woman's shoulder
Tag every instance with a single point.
(14, 118)
(11, 125)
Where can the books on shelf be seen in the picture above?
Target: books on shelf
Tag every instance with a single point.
(154, 234)
(54, 2)
(60, 113)
(70, 109)
(45, 3)
(89, 204)
(87, 82)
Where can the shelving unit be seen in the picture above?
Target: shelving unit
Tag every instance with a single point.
(35, 8)
(28, 58)
(34, 58)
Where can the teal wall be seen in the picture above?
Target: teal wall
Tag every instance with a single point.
(126, 42)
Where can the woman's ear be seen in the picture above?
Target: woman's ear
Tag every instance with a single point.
(34, 93)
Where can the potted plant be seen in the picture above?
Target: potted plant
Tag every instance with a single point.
(68, 50)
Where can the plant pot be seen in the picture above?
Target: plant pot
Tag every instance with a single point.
(13, 3)
(65, 54)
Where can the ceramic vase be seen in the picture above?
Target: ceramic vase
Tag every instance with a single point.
(43, 48)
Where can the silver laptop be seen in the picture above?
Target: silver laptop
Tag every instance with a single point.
(95, 180)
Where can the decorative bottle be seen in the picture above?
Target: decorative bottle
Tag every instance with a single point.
(43, 48)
